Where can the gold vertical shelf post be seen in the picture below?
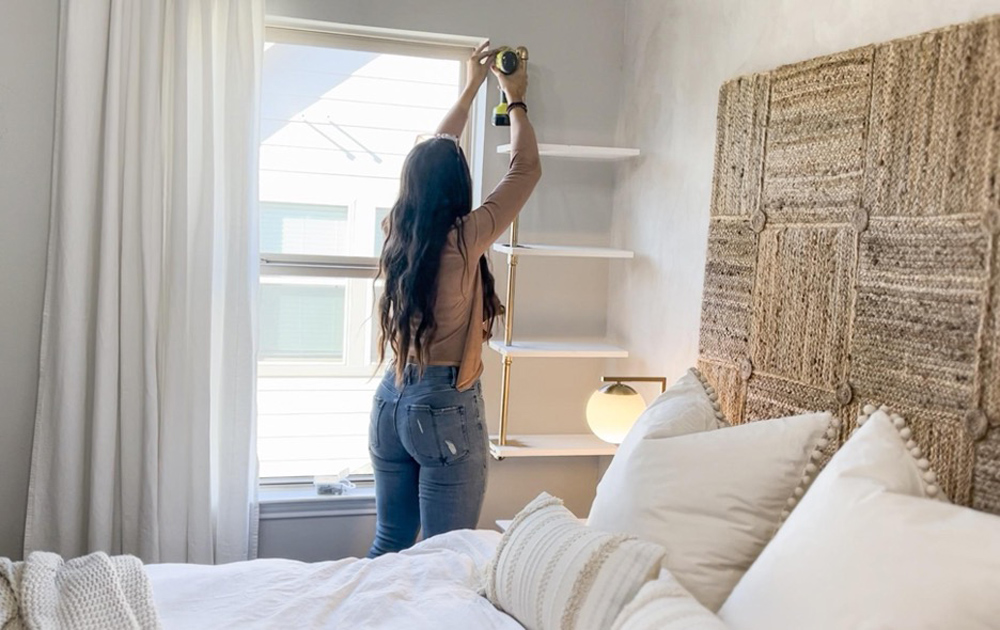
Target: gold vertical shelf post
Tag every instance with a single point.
(508, 335)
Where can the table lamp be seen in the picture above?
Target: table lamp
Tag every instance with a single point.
(614, 408)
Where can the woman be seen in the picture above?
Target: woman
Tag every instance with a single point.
(428, 439)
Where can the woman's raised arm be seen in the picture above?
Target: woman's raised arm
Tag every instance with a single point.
(487, 223)
(476, 69)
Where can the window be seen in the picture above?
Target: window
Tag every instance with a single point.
(300, 320)
(297, 228)
(339, 113)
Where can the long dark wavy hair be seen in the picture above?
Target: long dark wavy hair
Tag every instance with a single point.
(435, 192)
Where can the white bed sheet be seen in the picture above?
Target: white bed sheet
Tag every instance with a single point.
(432, 585)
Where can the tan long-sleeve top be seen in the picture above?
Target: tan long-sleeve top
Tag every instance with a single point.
(458, 310)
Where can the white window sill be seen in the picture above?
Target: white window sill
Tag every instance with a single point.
(302, 501)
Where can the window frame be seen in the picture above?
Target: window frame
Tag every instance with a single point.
(385, 41)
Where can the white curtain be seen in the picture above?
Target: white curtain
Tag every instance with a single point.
(144, 438)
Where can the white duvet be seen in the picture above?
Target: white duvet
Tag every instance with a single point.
(432, 585)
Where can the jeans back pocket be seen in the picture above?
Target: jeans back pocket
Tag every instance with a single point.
(438, 435)
(378, 403)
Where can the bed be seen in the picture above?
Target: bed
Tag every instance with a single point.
(853, 256)
(433, 585)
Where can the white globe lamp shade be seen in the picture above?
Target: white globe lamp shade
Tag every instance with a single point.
(612, 410)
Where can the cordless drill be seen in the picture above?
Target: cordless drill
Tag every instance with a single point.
(507, 61)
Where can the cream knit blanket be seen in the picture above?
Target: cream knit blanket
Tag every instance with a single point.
(96, 591)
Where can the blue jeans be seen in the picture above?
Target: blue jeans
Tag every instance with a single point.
(429, 448)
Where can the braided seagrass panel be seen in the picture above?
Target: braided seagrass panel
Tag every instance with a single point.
(854, 245)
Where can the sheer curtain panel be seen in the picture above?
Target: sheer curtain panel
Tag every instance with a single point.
(144, 437)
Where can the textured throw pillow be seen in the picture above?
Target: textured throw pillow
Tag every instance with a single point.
(713, 499)
(869, 547)
(552, 572)
(664, 604)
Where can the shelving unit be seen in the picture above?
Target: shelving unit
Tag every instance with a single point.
(550, 445)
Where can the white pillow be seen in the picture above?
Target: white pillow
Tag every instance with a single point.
(664, 604)
(867, 548)
(689, 406)
(712, 499)
(551, 571)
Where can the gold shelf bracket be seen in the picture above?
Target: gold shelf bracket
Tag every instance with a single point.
(508, 335)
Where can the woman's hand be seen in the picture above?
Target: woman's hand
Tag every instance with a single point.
(515, 85)
(478, 65)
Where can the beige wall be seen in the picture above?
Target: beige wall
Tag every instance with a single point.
(677, 54)
(28, 31)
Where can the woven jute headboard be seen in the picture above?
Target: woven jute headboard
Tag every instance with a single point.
(853, 246)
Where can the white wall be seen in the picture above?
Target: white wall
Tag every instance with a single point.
(677, 54)
(28, 30)
(576, 51)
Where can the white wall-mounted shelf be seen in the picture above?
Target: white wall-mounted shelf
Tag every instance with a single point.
(552, 445)
(579, 152)
(510, 347)
(559, 349)
(562, 251)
